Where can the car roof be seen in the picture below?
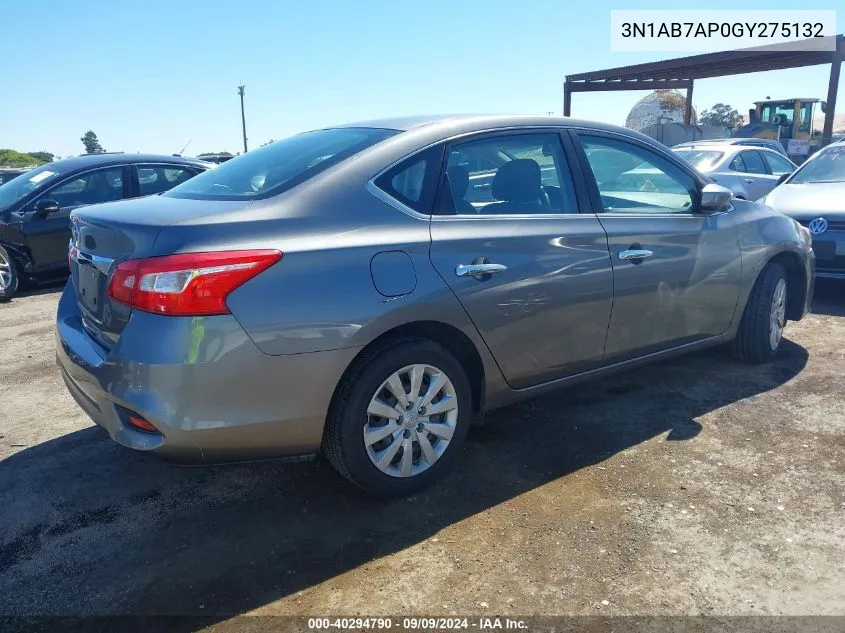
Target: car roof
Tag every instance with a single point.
(725, 147)
(471, 122)
(95, 160)
(729, 141)
(714, 147)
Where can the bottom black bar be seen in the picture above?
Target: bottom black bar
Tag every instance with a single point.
(524, 624)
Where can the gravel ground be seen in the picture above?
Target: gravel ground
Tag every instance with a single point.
(696, 486)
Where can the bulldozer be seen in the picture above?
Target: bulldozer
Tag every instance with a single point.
(784, 120)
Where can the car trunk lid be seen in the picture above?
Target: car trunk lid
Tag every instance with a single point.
(102, 237)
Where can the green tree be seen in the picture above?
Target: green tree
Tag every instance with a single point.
(11, 158)
(721, 115)
(91, 143)
(44, 157)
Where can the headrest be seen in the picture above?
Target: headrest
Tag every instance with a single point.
(518, 181)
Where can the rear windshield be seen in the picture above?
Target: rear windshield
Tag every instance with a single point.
(700, 159)
(280, 166)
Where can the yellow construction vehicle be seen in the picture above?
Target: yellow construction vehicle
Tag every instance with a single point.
(782, 120)
(785, 120)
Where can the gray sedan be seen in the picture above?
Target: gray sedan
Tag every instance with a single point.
(346, 290)
(750, 172)
(815, 196)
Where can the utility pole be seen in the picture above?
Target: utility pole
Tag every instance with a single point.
(243, 116)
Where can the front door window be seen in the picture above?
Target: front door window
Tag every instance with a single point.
(94, 187)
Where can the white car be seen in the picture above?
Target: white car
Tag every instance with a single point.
(750, 172)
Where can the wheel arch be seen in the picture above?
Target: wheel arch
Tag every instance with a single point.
(796, 282)
(448, 336)
(19, 254)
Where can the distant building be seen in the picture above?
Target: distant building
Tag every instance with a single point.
(661, 106)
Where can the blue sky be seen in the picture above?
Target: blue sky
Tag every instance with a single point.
(150, 75)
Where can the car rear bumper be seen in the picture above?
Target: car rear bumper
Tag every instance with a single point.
(213, 395)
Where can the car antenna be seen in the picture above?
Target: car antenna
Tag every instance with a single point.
(182, 151)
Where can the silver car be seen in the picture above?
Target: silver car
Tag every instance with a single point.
(348, 290)
(815, 196)
(749, 172)
(772, 144)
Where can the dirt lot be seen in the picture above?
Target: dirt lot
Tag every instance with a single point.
(698, 486)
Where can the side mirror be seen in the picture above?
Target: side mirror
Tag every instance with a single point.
(43, 208)
(715, 197)
(782, 178)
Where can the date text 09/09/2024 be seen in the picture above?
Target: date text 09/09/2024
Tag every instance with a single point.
(722, 29)
(416, 624)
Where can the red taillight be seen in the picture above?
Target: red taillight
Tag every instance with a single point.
(142, 424)
(189, 284)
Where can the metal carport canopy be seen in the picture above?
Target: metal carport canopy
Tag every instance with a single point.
(680, 72)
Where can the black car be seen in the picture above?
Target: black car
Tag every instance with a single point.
(215, 158)
(35, 207)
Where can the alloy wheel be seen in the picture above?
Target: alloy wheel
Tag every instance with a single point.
(5, 271)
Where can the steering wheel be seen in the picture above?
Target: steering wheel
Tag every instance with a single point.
(222, 186)
(545, 202)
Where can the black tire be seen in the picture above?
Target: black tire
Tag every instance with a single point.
(343, 441)
(7, 290)
(752, 343)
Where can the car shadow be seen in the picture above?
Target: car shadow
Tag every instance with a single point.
(91, 528)
(829, 297)
(33, 290)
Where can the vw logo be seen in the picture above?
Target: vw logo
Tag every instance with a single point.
(818, 226)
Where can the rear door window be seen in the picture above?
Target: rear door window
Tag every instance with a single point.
(507, 174)
(778, 164)
(154, 179)
(753, 162)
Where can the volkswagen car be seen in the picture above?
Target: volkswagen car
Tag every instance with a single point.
(815, 196)
(344, 290)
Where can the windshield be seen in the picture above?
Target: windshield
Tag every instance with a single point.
(827, 166)
(700, 159)
(280, 166)
(27, 182)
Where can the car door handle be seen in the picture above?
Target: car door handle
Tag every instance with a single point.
(467, 270)
(748, 180)
(637, 253)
